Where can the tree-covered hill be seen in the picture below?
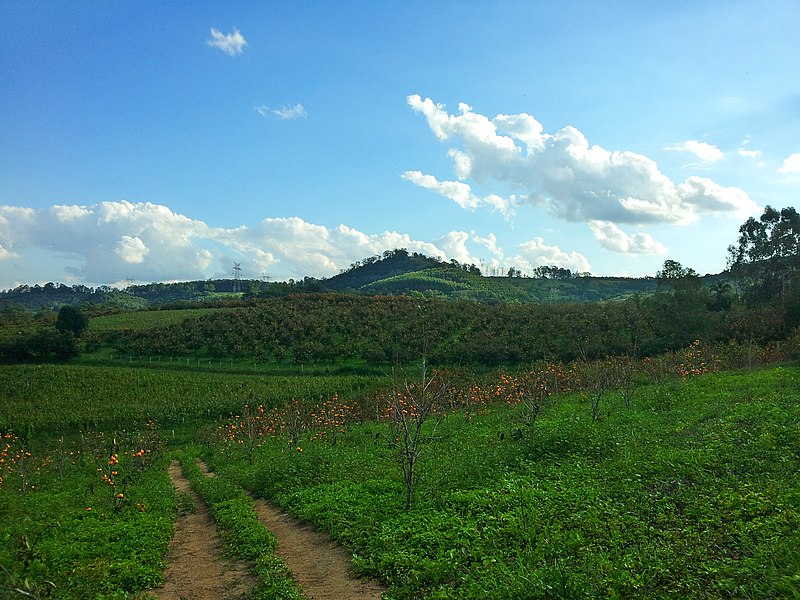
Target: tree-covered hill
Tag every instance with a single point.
(396, 272)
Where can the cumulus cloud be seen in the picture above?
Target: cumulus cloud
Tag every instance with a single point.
(490, 242)
(459, 192)
(791, 164)
(230, 43)
(535, 253)
(113, 241)
(454, 246)
(562, 173)
(613, 238)
(702, 150)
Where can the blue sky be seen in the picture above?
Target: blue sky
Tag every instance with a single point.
(160, 141)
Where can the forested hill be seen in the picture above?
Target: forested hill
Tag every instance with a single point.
(396, 272)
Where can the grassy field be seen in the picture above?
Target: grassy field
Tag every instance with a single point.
(690, 491)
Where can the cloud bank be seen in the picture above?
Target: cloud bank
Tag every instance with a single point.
(566, 176)
(111, 242)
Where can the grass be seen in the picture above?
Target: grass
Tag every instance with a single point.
(66, 538)
(51, 400)
(691, 493)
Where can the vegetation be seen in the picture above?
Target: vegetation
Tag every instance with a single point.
(645, 447)
(689, 492)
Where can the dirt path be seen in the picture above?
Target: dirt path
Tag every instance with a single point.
(196, 566)
(320, 566)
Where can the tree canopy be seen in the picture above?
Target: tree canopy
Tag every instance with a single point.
(71, 319)
(766, 258)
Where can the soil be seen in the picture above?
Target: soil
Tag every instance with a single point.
(196, 566)
(320, 566)
(197, 569)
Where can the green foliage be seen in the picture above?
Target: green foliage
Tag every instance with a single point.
(334, 328)
(72, 320)
(688, 491)
(145, 319)
(682, 487)
(766, 258)
(63, 537)
(62, 399)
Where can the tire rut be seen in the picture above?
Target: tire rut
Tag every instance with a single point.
(196, 566)
(321, 567)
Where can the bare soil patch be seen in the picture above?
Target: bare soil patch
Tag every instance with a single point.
(196, 566)
(320, 566)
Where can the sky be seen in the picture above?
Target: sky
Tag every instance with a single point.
(165, 141)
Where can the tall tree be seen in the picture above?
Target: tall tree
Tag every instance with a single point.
(766, 258)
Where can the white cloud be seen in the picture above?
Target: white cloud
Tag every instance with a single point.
(6, 254)
(490, 242)
(112, 241)
(563, 174)
(613, 238)
(286, 113)
(454, 246)
(750, 153)
(459, 192)
(702, 150)
(131, 249)
(791, 164)
(230, 43)
(291, 112)
(535, 253)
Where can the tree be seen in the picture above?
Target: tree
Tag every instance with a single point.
(674, 275)
(721, 297)
(71, 319)
(411, 405)
(767, 254)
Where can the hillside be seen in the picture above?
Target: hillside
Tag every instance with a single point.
(396, 272)
(401, 273)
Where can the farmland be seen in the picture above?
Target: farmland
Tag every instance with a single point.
(645, 447)
(682, 486)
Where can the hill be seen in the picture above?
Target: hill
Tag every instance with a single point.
(401, 273)
(394, 273)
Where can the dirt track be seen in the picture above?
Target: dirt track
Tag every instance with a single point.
(321, 567)
(197, 570)
(196, 566)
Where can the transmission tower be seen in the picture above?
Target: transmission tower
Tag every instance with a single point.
(237, 277)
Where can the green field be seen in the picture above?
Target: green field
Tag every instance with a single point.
(689, 489)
